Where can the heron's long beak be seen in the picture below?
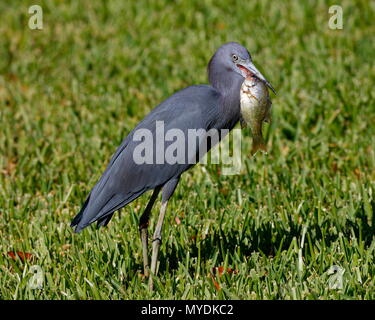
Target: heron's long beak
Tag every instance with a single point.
(249, 66)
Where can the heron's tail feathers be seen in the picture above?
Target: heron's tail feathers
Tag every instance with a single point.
(93, 211)
(101, 210)
(77, 219)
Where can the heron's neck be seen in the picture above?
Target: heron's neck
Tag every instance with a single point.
(230, 106)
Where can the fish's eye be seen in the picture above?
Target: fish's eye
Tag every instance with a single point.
(234, 57)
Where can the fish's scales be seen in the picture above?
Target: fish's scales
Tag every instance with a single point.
(255, 108)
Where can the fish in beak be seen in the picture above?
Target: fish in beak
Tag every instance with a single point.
(248, 69)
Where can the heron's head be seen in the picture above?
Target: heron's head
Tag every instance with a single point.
(233, 58)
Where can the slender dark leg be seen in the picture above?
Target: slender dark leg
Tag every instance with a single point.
(168, 190)
(143, 229)
(156, 239)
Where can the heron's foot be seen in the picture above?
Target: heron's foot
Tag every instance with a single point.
(151, 284)
(144, 238)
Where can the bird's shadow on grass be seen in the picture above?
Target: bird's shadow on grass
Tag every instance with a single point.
(267, 240)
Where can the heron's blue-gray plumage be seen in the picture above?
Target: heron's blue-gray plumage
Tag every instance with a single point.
(196, 107)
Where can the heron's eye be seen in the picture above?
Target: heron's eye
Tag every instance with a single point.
(234, 57)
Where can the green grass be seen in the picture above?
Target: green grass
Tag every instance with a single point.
(71, 92)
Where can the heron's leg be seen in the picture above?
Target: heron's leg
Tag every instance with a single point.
(168, 190)
(156, 239)
(143, 229)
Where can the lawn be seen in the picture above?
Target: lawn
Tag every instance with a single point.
(70, 93)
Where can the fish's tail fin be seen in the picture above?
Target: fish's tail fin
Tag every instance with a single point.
(258, 144)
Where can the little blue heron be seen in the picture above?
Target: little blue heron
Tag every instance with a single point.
(214, 106)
